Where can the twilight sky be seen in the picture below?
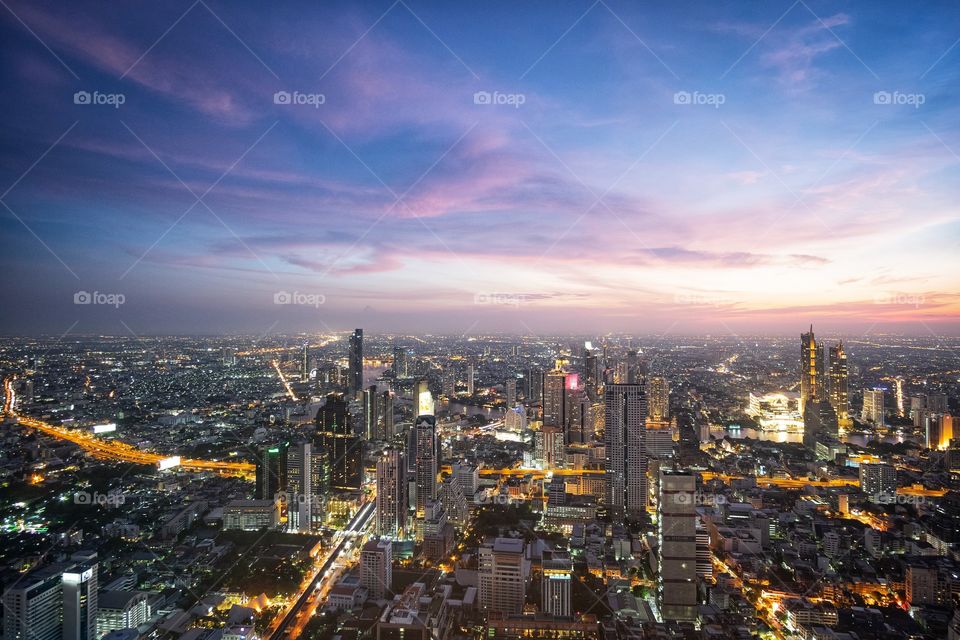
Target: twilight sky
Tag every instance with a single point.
(492, 166)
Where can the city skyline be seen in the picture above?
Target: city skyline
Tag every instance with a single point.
(488, 169)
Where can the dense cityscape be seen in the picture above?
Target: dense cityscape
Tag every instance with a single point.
(386, 486)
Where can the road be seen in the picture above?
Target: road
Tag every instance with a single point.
(343, 538)
(115, 450)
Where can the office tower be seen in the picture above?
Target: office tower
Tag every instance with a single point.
(371, 413)
(625, 413)
(811, 369)
(704, 555)
(659, 442)
(391, 495)
(468, 475)
(819, 423)
(557, 574)
(33, 606)
(425, 404)
(938, 430)
(355, 362)
(549, 447)
(376, 568)
(80, 591)
(454, 501)
(426, 463)
(400, 364)
(320, 477)
(878, 480)
(386, 416)
(633, 368)
(118, 609)
(937, 402)
(437, 532)
(658, 399)
(839, 393)
(576, 403)
(470, 380)
(305, 363)
(510, 390)
(344, 449)
(502, 576)
(590, 369)
(533, 391)
(448, 382)
(300, 487)
(271, 471)
(873, 408)
(677, 546)
(555, 398)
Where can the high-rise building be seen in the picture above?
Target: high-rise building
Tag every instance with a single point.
(557, 576)
(502, 576)
(819, 423)
(33, 606)
(938, 430)
(80, 590)
(468, 476)
(677, 546)
(371, 413)
(305, 362)
(873, 407)
(577, 411)
(391, 495)
(121, 610)
(448, 382)
(811, 369)
(271, 471)
(549, 447)
(438, 532)
(454, 501)
(625, 413)
(345, 450)
(471, 382)
(356, 362)
(555, 398)
(533, 386)
(300, 487)
(704, 554)
(839, 391)
(386, 416)
(376, 568)
(878, 480)
(427, 461)
(510, 390)
(400, 364)
(658, 399)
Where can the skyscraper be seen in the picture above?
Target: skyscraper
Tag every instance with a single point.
(271, 471)
(305, 363)
(400, 366)
(371, 413)
(557, 574)
(356, 362)
(533, 386)
(811, 369)
(839, 393)
(376, 568)
(873, 409)
(677, 546)
(555, 398)
(878, 481)
(471, 373)
(391, 495)
(625, 412)
(300, 487)
(510, 390)
(386, 416)
(502, 576)
(426, 463)
(33, 606)
(448, 382)
(343, 447)
(80, 599)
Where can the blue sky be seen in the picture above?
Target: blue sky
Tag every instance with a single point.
(650, 167)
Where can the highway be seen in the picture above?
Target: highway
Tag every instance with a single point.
(351, 533)
(115, 450)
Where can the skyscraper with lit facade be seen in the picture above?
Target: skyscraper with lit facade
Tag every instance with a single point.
(391, 494)
(839, 390)
(677, 546)
(345, 450)
(355, 362)
(625, 413)
(811, 369)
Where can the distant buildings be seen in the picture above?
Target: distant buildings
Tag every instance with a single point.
(502, 576)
